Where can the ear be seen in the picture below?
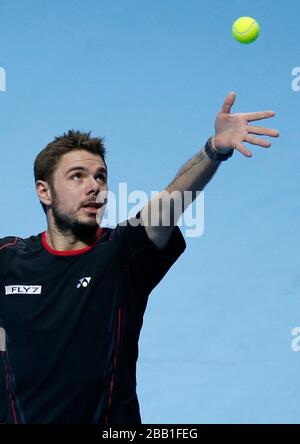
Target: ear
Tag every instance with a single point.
(43, 192)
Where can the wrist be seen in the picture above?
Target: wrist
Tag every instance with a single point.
(218, 148)
(214, 153)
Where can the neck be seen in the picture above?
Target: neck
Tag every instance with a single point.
(66, 241)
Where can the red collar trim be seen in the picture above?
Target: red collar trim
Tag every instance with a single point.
(69, 252)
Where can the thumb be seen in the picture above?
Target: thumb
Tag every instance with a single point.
(228, 103)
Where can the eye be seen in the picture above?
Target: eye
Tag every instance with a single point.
(75, 175)
(102, 177)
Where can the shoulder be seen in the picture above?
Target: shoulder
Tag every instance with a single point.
(132, 236)
(7, 242)
(17, 243)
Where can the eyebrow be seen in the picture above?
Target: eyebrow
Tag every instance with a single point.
(81, 168)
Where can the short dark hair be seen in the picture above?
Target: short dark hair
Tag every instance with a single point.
(46, 161)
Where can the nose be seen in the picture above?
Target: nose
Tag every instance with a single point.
(92, 185)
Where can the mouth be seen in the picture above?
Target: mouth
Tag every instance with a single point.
(92, 207)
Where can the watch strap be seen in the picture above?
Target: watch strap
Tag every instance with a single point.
(213, 153)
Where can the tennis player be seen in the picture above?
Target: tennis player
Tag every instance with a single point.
(72, 298)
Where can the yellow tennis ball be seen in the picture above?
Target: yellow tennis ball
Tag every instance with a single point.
(245, 29)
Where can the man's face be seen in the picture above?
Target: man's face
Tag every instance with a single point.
(79, 179)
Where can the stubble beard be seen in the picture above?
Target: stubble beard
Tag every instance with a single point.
(70, 225)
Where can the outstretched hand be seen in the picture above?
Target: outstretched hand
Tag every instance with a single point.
(233, 129)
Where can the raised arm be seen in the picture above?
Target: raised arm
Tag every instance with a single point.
(230, 131)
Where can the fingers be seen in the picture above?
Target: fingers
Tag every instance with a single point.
(258, 115)
(228, 103)
(240, 147)
(256, 141)
(262, 131)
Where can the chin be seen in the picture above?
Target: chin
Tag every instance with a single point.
(91, 222)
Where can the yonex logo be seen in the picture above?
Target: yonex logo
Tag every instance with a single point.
(23, 289)
(84, 282)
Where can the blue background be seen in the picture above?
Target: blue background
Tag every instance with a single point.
(150, 76)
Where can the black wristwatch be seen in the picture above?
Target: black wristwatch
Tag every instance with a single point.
(213, 153)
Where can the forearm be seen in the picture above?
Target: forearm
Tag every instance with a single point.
(194, 175)
(167, 206)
